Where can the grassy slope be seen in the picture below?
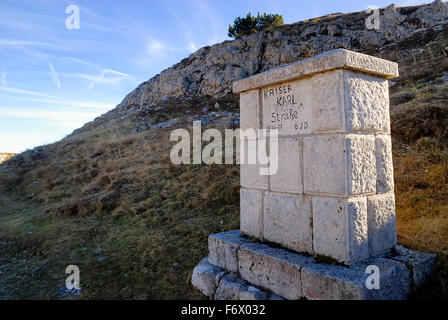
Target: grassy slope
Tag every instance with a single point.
(122, 195)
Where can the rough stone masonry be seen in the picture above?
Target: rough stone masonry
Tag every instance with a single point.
(332, 196)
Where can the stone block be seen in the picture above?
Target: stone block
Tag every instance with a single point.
(329, 282)
(251, 178)
(382, 223)
(233, 288)
(384, 164)
(223, 248)
(251, 214)
(289, 175)
(249, 110)
(273, 269)
(206, 277)
(328, 102)
(421, 264)
(324, 161)
(342, 165)
(287, 221)
(340, 229)
(361, 175)
(366, 102)
(394, 281)
(253, 293)
(250, 175)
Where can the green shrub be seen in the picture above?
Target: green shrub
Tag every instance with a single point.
(249, 24)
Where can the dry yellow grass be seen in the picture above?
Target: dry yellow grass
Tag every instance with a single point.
(421, 187)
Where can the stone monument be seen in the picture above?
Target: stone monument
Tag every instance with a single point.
(323, 226)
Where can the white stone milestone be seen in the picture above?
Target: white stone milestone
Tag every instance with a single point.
(333, 192)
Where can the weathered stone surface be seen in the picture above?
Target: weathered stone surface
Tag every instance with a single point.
(249, 110)
(206, 277)
(382, 223)
(324, 162)
(288, 107)
(433, 13)
(335, 59)
(251, 214)
(230, 288)
(327, 282)
(223, 248)
(251, 177)
(253, 293)
(421, 264)
(340, 229)
(293, 276)
(276, 270)
(395, 281)
(289, 175)
(367, 103)
(287, 221)
(328, 102)
(342, 165)
(384, 164)
(361, 175)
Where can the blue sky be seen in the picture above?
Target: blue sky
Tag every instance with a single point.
(53, 80)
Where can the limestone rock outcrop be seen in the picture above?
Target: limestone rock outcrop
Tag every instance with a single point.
(212, 69)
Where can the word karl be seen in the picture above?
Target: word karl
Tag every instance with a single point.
(282, 95)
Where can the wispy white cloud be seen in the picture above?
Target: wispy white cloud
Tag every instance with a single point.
(26, 92)
(99, 106)
(80, 61)
(54, 75)
(103, 78)
(39, 97)
(26, 43)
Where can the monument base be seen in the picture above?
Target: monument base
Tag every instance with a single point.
(239, 269)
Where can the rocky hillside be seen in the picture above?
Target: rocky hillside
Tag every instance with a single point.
(108, 199)
(211, 70)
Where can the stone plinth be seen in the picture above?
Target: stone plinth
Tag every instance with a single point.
(333, 192)
(239, 269)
